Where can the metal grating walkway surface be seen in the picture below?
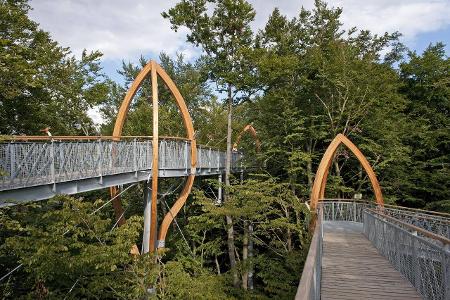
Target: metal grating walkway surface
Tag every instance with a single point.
(353, 269)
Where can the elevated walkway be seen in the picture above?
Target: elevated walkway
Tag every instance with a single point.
(43, 167)
(363, 251)
(353, 269)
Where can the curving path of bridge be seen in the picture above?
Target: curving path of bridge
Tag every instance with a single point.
(353, 269)
(36, 168)
(363, 251)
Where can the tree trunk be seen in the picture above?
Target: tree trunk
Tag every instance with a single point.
(217, 264)
(244, 257)
(310, 175)
(250, 255)
(289, 234)
(230, 229)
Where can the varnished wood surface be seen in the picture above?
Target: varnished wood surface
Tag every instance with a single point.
(353, 269)
(320, 181)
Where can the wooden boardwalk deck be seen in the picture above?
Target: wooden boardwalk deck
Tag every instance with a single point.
(353, 269)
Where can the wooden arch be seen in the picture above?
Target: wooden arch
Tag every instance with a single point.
(153, 69)
(250, 129)
(320, 181)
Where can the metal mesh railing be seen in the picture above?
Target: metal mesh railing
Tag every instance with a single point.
(344, 210)
(436, 223)
(422, 257)
(25, 164)
(351, 210)
(309, 287)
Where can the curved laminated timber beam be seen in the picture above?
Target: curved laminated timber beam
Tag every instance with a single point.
(250, 129)
(153, 69)
(320, 181)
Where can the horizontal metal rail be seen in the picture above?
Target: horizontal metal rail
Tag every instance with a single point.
(351, 210)
(421, 256)
(40, 169)
(309, 286)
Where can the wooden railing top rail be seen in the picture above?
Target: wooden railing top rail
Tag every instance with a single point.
(26, 138)
(429, 212)
(422, 231)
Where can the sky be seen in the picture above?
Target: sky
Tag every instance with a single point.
(127, 29)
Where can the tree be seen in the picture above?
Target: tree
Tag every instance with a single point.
(225, 37)
(426, 80)
(41, 83)
(67, 249)
(279, 232)
(320, 80)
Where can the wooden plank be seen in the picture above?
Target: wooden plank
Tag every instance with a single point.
(353, 269)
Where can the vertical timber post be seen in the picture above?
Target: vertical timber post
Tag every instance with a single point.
(155, 166)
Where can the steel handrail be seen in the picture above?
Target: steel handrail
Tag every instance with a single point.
(309, 286)
(426, 233)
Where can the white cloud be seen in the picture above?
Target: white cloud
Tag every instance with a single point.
(120, 29)
(410, 17)
(95, 115)
(124, 29)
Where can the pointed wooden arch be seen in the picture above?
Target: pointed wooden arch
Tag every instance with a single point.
(250, 129)
(320, 181)
(153, 69)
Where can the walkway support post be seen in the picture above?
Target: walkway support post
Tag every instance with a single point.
(219, 193)
(147, 218)
(154, 70)
(155, 166)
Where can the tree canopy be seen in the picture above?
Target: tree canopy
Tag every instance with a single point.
(299, 81)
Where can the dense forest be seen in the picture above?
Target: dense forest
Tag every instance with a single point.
(299, 81)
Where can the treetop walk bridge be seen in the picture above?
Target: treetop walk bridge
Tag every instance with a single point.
(36, 168)
(39, 167)
(359, 250)
(370, 250)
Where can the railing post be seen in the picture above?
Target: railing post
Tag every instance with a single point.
(186, 157)
(218, 161)
(12, 156)
(100, 161)
(135, 158)
(210, 161)
(446, 271)
(332, 211)
(199, 157)
(52, 166)
(415, 259)
(354, 212)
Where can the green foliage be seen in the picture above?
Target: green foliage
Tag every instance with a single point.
(307, 78)
(224, 35)
(64, 244)
(426, 85)
(178, 283)
(279, 233)
(41, 84)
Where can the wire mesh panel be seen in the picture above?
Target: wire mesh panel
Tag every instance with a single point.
(424, 261)
(343, 210)
(27, 164)
(430, 222)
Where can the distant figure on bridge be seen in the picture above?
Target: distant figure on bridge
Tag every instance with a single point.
(47, 131)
